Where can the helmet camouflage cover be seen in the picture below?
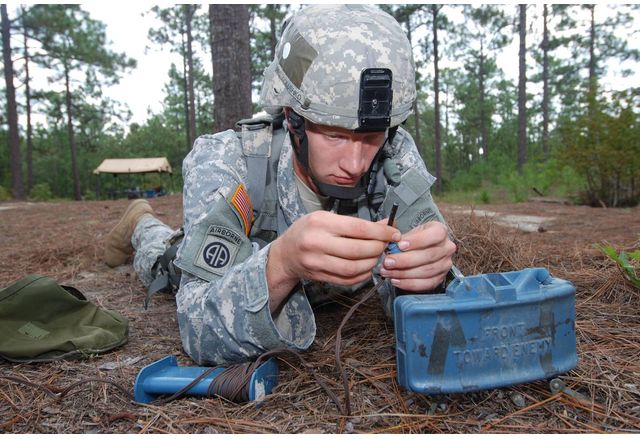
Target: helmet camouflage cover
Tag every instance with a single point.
(320, 58)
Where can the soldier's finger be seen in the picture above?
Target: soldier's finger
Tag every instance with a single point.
(417, 258)
(351, 227)
(419, 285)
(354, 249)
(343, 270)
(422, 272)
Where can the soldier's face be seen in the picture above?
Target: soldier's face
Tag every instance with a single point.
(339, 156)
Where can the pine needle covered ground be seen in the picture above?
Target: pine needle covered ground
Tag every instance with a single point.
(63, 240)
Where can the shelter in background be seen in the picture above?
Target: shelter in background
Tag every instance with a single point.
(132, 166)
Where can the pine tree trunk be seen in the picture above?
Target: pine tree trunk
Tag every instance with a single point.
(185, 88)
(189, 11)
(522, 91)
(484, 130)
(27, 92)
(17, 186)
(592, 61)
(436, 91)
(231, 60)
(446, 117)
(213, 74)
(545, 86)
(273, 30)
(72, 139)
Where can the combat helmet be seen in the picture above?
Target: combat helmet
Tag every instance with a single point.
(321, 63)
(348, 66)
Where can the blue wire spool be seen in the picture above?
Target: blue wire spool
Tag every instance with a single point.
(165, 377)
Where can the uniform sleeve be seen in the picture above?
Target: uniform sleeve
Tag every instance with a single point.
(413, 195)
(223, 299)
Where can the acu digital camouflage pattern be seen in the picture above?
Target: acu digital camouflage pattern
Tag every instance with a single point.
(319, 59)
(150, 241)
(226, 318)
(223, 299)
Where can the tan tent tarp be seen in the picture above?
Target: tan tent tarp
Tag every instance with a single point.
(133, 166)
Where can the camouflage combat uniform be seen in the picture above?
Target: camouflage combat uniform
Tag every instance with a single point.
(321, 58)
(223, 309)
(149, 239)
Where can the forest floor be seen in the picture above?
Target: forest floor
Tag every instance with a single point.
(63, 240)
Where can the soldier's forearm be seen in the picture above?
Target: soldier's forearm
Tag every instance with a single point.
(280, 282)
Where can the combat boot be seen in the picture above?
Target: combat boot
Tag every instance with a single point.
(117, 243)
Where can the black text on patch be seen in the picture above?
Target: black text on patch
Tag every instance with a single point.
(218, 250)
(419, 218)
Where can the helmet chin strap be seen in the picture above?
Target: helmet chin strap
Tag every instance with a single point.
(296, 122)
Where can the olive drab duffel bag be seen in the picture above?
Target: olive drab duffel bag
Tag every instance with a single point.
(43, 321)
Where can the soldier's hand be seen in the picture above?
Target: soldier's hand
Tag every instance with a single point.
(424, 261)
(327, 247)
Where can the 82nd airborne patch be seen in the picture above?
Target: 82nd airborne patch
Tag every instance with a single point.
(218, 250)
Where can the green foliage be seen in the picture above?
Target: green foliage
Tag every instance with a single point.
(5, 195)
(603, 146)
(467, 180)
(41, 192)
(551, 179)
(485, 198)
(5, 174)
(174, 102)
(73, 48)
(162, 135)
(497, 181)
(266, 20)
(622, 259)
(71, 38)
(174, 18)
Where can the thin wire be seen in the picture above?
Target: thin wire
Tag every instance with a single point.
(346, 410)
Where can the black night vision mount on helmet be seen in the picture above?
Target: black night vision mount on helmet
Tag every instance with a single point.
(376, 97)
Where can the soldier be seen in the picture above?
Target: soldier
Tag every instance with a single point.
(294, 207)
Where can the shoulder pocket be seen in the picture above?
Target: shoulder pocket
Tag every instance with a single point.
(215, 244)
(415, 204)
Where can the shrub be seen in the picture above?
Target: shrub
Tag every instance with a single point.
(5, 195)
(604, 149)
(485, 198)
(41, 192)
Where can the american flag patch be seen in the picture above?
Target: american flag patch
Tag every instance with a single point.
(240, 200)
